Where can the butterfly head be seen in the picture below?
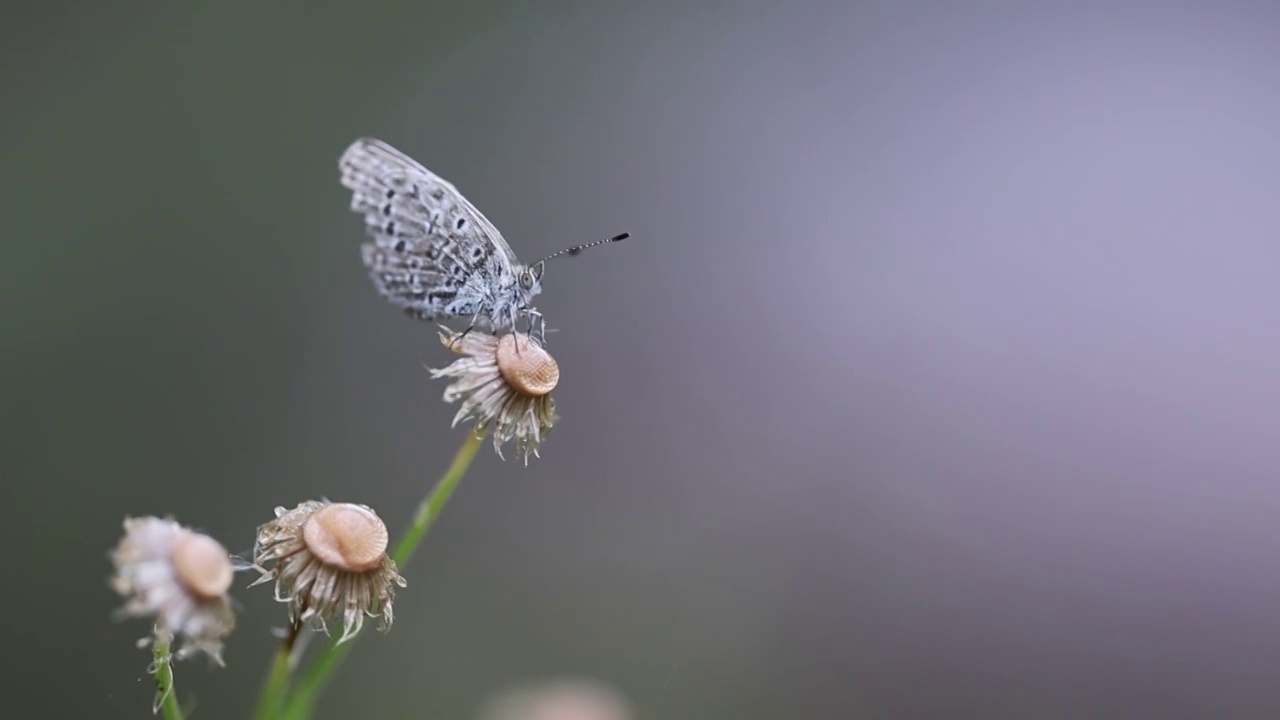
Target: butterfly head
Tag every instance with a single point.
(529, 280)
(519, 295)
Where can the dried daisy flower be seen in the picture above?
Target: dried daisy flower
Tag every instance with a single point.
(179, 576)
(505, 382)
(330, 561)
(562, 700)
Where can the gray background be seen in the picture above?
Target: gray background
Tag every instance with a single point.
(939, 379)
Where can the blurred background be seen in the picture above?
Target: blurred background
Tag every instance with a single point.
(938, 379)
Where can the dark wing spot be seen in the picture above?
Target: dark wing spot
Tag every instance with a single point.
(386, 209)
(433, 252)
(391, 194)
(477, 253)
(391, 228)
(400, 246)
(461, 222)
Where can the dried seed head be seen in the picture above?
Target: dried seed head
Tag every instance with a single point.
(526, 366)
(179, 576)
(347, 537)
(504, 383)
(329, 561)
(562, 700)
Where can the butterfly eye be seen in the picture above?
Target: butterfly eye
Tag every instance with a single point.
(526, 279)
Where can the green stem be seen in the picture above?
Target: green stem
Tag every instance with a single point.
(322, 670)
(271, 700)
(429, 509)
(162, 660)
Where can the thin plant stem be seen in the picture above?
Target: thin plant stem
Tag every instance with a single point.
(162, 664)
(274, 690)
(430, 507)
(322, 670)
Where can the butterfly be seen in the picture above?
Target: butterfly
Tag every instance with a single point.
(432, 253)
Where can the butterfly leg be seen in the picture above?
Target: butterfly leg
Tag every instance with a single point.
(531, 317)
(453, 343)
(470, 326)
(537, 326)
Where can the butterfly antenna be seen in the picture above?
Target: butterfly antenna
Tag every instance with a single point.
(579, 248)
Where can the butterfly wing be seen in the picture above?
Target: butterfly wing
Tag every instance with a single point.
(427, 239)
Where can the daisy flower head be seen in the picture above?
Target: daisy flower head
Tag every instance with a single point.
(504, 383)
(559, 700)
(178, 576)
(329, 562)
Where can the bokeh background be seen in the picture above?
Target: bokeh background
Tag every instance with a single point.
(939, 378)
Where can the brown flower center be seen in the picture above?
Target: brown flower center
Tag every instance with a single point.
(345, 536)
(202, 565)
(526, 366)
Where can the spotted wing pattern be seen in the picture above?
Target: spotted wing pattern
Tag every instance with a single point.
(432, 251)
